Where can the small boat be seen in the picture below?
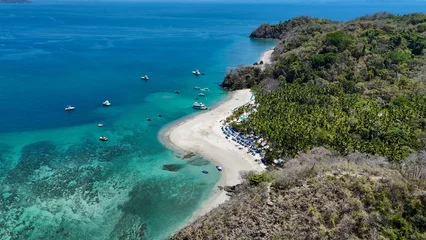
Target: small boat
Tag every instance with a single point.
(205, 171)
(197, 88)
(177, 92)
(196, 73)
(100, 125)
(199, 106)
(221, 92)
(145, 77)
(103, 138)
(205, 89)
(106, 103)
(219, 168)
(201, 94)
(160, 115)
(69, 108)
(148, 119)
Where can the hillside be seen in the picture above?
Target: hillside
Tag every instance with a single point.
(354, 86)
(319, 195)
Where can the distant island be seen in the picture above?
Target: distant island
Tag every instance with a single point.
(340, 111)
(15, 1)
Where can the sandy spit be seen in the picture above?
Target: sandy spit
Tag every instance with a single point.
(201, 134)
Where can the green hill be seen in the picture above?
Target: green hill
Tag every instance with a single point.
(356, 88)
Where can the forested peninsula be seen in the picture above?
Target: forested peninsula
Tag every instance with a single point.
(343, 105)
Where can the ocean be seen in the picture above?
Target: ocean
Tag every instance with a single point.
(57, 180)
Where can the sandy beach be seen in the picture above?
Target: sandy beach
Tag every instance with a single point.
(202, 135)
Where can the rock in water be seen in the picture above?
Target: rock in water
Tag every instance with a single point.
(172, 167)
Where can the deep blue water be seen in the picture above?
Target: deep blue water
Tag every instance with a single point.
(57, 180)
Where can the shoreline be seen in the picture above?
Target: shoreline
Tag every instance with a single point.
(200, 133)
(266, 58)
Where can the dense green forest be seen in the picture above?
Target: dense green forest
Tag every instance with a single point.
(320, 195)
(354, 86)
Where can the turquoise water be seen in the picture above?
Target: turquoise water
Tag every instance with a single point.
(57, 180)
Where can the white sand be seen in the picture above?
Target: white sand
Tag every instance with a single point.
(266, 57)
(202, 135)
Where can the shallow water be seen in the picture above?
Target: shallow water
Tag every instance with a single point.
(57, 180)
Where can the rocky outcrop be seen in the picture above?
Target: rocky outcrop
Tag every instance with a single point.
(276, 31)
(233, 189)
(245, 77)
(266, 31)
(172, 167)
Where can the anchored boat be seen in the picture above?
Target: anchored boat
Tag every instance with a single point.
(69, 108)
(196, 73)
(103, 138)
(106, 103)
(199, 106)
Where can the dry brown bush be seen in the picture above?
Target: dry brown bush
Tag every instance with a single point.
(317, 195)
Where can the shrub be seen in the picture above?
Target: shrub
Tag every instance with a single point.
(339, 39)
(256, 179)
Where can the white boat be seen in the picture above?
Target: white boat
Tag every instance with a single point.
(197, 88)
(145, 77)
(201, 94)
(219, 168)
(196, 73)
(199, 106)
(205, 89)
(106, 103)
(69, 108)
(103, 138)
(100, 125)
